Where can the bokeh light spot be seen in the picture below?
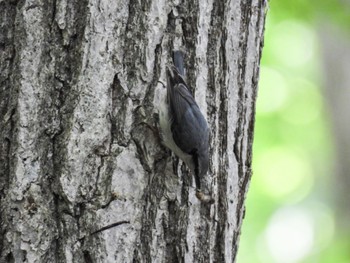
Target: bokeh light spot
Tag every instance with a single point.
(306, 105)
(282, 173)
(272, 92)
(294, 43)
(290, 235)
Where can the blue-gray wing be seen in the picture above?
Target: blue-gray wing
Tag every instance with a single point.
(189, 127)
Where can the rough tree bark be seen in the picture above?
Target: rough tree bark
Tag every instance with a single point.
(78, 131)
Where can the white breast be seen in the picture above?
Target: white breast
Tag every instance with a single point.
(166, 134)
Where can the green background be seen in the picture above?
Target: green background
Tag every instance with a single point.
(290, 211)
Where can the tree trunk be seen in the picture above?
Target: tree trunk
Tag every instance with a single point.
(80, 147)
(335, 45)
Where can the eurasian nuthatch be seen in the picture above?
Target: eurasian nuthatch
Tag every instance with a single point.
(184, 128)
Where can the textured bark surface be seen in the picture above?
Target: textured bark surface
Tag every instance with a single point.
(79, 142)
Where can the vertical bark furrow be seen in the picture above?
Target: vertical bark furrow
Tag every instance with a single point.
(135, 42)
(175, 233)
(239, 150)
(217, 94)
(119, 110)
(150, 92)
(68, 36)
(8, 103)
(8, 93)
(189, 11)
(242, 63)
(68, 53)
(246, 8)
(67, 32)
(152, 195)
(223, 155)
(258, 43)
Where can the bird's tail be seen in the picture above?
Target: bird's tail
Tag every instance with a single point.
(178, 58)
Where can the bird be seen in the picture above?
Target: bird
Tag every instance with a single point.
(184, 129)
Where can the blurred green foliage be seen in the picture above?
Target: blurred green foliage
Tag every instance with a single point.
(289, 216)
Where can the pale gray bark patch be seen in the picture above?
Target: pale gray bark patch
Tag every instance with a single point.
(79, 136)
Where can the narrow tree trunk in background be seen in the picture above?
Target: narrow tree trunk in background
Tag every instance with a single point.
(335, 44)
(79, 139)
